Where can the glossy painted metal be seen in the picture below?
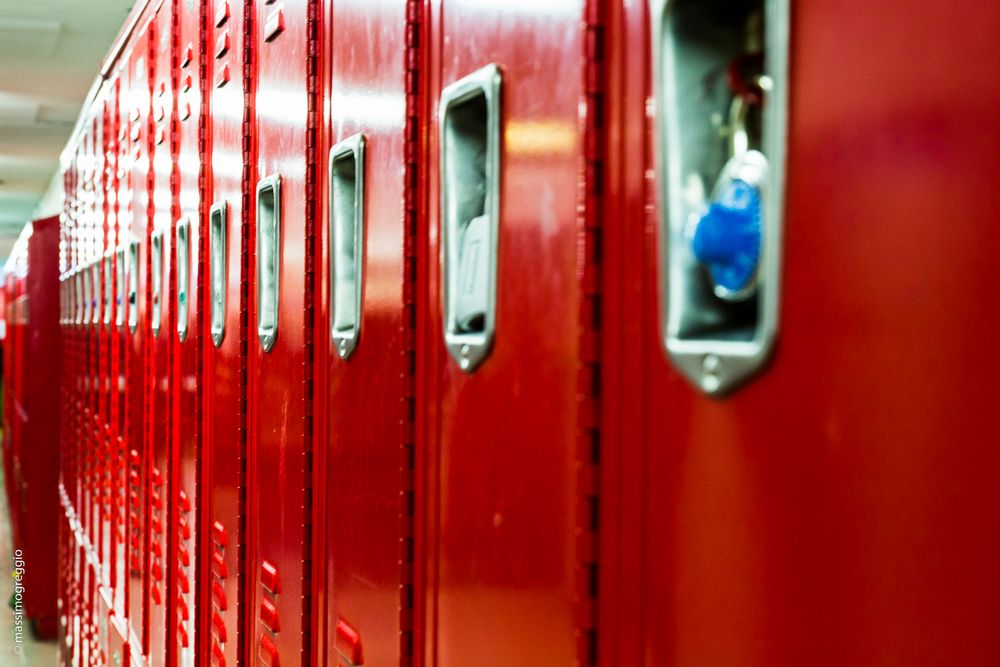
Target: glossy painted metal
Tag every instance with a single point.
(507, 512)
(832, 510)
(222, 622)
(121, 359)
(363, 395)
(122, 182)
(33, 417)
(185, 505)
(137, 419)
(280, 382)
(159, 383)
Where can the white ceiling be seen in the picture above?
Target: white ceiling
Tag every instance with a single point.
(50, 52)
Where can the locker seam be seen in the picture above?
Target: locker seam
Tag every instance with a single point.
(311, 244)
(201, 514)
(588, 419)
(243, 615)
(172, 480)
(412, 82)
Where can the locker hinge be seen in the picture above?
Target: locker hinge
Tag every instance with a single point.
(413, 177)
(588, 408)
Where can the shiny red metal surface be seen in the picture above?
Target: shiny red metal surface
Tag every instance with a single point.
(32, 415)
(137, 419)
(507, 513)
(185, 506)
(223, 619)
(829, 511)
(159, 383)
(364, 394)
(233, 499)
(120, 356)
(280, 366)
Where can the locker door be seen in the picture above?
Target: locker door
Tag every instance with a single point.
(226, 294)
(360, 332)
(103, 326)
(107, 166)
(511, 336)
(280, 341)
(138, 297)
(161, 323)
(89, 334)
(122, 342)
(187, 304)
(829, 509)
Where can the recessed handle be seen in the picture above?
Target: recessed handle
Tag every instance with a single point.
(470, 112)
(95, 303)
(78, 297)
(133, 285)
(87, 295)
(183, 244)
(108, 288)
(347, 233)
(218, 221)
(156, 259)
(120, 284)
(268, 259)
(721, 85)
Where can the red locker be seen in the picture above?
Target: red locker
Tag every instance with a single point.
(187, 305)
(118, 648)
(122, 343)
(159, 382)
(91, 428)
(122, 183)
(281, 341)
(510, 335)
(226, 296)
(138, 320)
(32, 417)
(833, 507)
(108, 187)
(366, 337)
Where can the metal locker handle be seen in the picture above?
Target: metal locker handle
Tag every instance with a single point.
(85, 273)
(268, 259)
(217, 233)
(470, 213)
(95, 281)
(156, 260)
(347, 234)
(108, 303)
(721, 202)
(120, 285)
(133, 285)
(78, 297)
(182, 276)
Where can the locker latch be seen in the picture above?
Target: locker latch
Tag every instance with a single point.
(721, 95)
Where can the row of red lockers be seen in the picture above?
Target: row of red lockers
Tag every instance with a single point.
(441, 470)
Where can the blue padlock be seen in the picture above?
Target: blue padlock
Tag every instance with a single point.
(728, 239)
